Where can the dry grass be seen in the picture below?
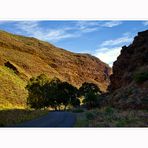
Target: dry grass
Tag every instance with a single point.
(15, 116)
(82, 121)
(111, 117)
(12, 89)
(32, 57)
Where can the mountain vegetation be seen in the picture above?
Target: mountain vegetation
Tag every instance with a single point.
(38, 77)
(55, 94)
(22, 58)
(44, 93)
(126, 103)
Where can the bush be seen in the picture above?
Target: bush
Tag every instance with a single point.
(141, 77)
(90, 116)
(92, 100)
(122, 123)
(109, 110)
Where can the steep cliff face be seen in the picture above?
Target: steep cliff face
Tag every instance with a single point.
(129, 81)
(23, 57)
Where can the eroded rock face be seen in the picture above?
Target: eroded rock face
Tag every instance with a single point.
(11, 66)
(133, 59)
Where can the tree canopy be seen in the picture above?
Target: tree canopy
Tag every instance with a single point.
(87, 88)
(36, 92)
(54, 93)
(91, 93)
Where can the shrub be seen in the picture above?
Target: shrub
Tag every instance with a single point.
(90, 100)
(109, 110)
(141, 77)
(122, 123)
(90, 116)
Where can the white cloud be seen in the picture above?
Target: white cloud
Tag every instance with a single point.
(118, 41)
(32, 28)
(112, 24)
(145, 23)
(108, 55)
(87, 26)
(90, 26)
(110, 49)
(55, 35)
(87, 30)
(28, 26)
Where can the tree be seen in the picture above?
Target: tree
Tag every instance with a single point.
(44, 93)
(91, 94)
(75, 102)
(91, 100)
(52, 93)
(36, 94)
(87, 88)
(68, 94)
(61, 93)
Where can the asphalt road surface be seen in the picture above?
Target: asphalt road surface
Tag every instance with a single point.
(52, 119)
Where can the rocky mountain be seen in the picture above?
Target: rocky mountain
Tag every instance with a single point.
(23, 57)
(129, 81)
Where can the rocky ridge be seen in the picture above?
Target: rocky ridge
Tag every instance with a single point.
(129, 81)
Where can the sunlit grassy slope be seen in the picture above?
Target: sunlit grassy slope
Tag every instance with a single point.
(12, 89)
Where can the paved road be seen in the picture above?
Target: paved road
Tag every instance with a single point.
(52, 119)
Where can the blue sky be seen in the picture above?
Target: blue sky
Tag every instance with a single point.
(102, 39)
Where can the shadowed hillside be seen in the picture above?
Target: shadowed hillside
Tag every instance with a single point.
(129, 81)
(126, 103)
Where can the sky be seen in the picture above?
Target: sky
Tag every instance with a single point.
(103, 39)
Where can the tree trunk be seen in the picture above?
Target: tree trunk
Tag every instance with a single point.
(65, 107)
(55, 108)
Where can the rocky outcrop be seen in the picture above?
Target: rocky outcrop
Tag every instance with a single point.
(129, 79)
(11, 66)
